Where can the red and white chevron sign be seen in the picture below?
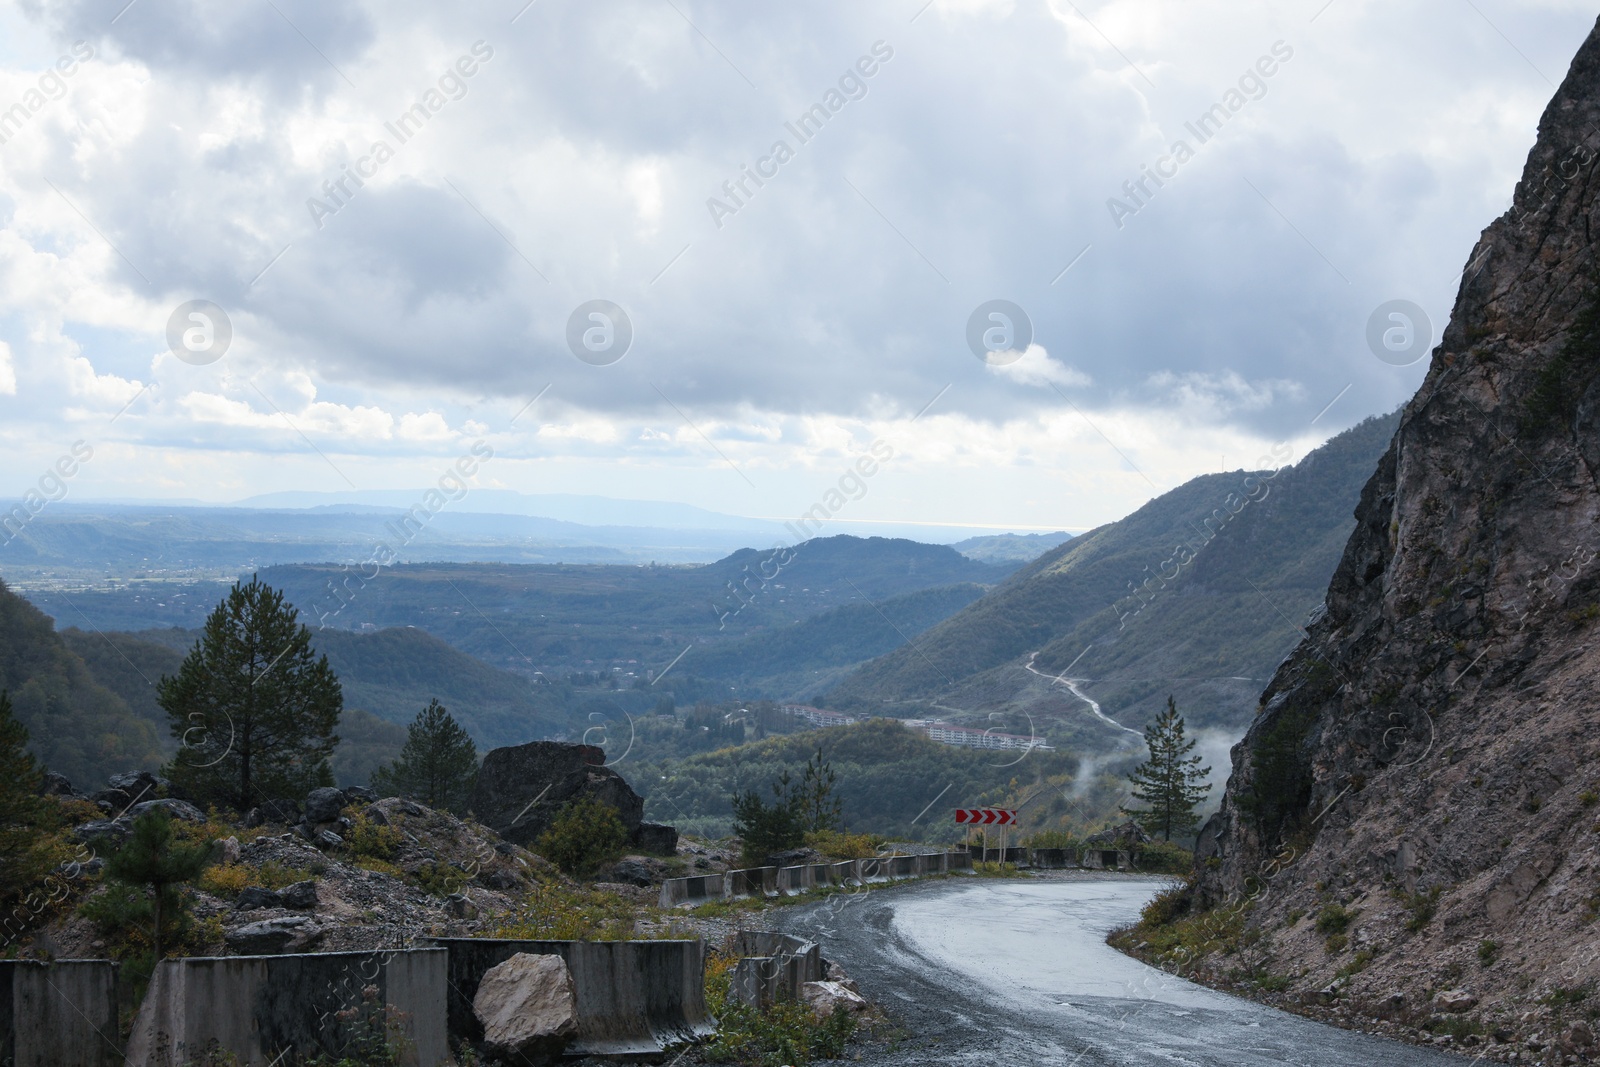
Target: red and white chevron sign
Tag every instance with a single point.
(986, 816)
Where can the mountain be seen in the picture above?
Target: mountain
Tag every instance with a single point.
(796, 661)
(1422, 776)
(1226, 566)
(1019, 548)
(566, 507)
(76, 726)
(558, 619)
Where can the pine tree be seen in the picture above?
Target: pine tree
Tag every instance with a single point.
(25, 857)
(819, 808)
(146, 877)
(1170, 781)
(253, 708)
(438, 764)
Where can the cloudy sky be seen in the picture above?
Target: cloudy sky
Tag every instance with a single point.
(558, 153)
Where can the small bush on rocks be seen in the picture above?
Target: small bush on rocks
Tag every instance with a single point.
(586, 834)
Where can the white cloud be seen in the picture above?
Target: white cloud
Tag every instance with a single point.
(1035, 367)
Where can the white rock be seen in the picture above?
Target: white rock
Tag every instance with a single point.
(1454, 1000)
(823, 997)
(527, 1005)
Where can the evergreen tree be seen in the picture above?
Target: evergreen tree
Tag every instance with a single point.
(145, 879)
(818, 808)
(438, 764)
(25, 857)
(1170, 781)
(767, 828)
(253, 708)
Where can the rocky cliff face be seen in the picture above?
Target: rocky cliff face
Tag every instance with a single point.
(1427, 759)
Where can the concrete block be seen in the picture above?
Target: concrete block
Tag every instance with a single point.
(635, 998)
(794, 880)
(1051, 858)
(958, 861)
(259, 1007)
(696, 888)
(61, 1014)
(773, 967)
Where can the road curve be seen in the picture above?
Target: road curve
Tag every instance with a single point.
(1001, 972)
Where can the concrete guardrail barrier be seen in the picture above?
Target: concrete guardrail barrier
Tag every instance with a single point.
(261, 1007)
(634, 997)
(773, 967)
(60, 1014)
(1051, 858)
(789, 881)
(700, 887)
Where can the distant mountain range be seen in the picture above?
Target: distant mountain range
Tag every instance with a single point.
(1198, 594)
(74, 541)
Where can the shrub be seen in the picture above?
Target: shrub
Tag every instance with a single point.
(845, 846)
(1334, 919)
(1053, 839)
(584, 835)
(1167, 907)
(1336, 943)
(371, 839)
(1488, 952)
(1420, 907)
(226, 879)
(784, 1033)
(554, 911)
(439, 879)
(1166, 858)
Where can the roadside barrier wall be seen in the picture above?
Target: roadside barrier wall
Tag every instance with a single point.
(1051, 858)
(61, 1014)
(675, 891)
(788, 881)
(773, 967)
(793, 881)
(634, 997)
(261, 1007)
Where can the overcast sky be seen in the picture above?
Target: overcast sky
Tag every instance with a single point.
(956, 153)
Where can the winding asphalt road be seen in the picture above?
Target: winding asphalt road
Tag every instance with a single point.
(1012, 972)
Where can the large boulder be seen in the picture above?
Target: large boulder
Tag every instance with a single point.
(325, 804)
(656, 839)
(175, 809)
(271, 937)
(825, 998)
(520, 790)
(528, 1006)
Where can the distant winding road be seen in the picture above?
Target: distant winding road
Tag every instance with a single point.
(1012, 972)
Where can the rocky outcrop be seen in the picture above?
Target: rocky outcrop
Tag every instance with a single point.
(520, 790)
(1425, 761)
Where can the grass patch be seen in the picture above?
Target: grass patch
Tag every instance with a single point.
(1164, 857)
(556, 911)
(784, 1034)
(1420, 907)
(1334, 919)
(1357, 964)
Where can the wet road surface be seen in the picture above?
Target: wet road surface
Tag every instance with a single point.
(1001, 972)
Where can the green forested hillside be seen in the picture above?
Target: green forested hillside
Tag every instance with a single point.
(389, 673)
(76, 726)
(892, 781)
(795, 660)
(1227, 586)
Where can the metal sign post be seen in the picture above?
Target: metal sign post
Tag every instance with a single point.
(1001, 817)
